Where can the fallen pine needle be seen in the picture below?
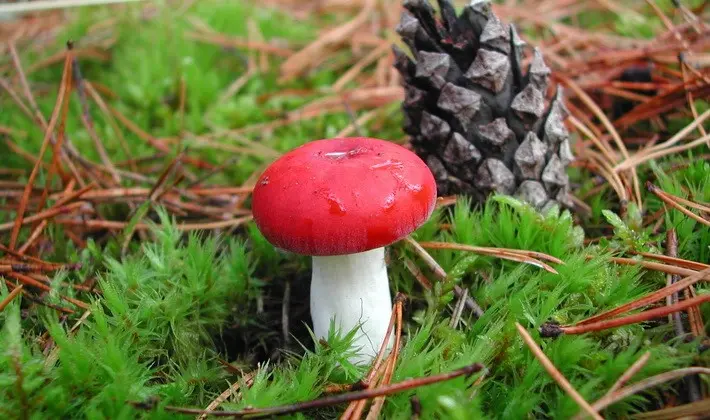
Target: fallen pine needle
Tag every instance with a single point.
(650, 298)
(556, 374)
(248, 380)
(668, 199)
(327, 401)
(552, 330)
(16, 291)
(693, 410)
(647, 383)
(63, 87)
(376, 407)
(623, 379)
(114, 225)
(522, 256)
(354, 409)
(692, 265)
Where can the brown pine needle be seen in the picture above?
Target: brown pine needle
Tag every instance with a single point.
(647, 383)
(641, 157)
(299, 62)
(693, 265)
(630, 372)
(12, 295)
(377, 404)
(46, 214)
(355, 70)
(29, 281)
(607, 152)
(554, 330)
(650, 298)
(406, 384)
(661, 153)
(440, 273)
(506, 254)
(610, 128)
(110, 119)
(63, 87)
(664, 268)
(668, 200)
(116, 225)
(693, 410)
(231, 42)
(248, 380)
(556, 374)
(354, 409)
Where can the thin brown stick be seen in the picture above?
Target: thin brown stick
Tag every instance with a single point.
(556, 374)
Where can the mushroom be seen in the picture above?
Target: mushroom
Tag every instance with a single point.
(341, 201)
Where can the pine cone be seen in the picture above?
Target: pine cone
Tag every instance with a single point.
(479, 122)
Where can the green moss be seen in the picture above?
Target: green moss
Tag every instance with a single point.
(176, 308)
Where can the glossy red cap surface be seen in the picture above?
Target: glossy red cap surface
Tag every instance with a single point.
(342, 196)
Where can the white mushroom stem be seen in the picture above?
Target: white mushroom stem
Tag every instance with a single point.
(352, 289)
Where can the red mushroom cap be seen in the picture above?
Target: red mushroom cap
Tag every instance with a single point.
(342, 196)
